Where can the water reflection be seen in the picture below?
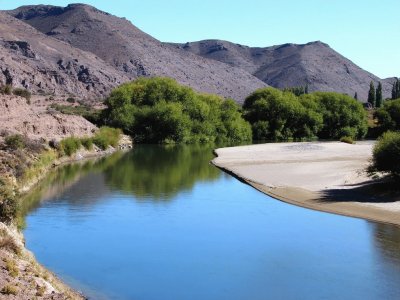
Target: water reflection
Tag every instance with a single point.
(160, 172)
(387, 241)
(151, 172)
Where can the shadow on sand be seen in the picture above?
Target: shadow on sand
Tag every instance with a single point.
(385, 190)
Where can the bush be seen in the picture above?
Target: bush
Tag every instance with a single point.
(386, 153)
(71, 100)
(277, 115)
(347, 140)
(9, 290)
(6, 89)
(159, 110)
(107, 136)
(388, 116)
(23, 93)
(8, 202)
(342, 115)
(69, 145)
(87, 143)
(15, 141)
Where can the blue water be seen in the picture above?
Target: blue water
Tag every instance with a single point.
(161, 227)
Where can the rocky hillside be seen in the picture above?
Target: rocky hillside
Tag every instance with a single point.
(37, 122)
(43, 64)
(83, 51)
(290, 65)
(131, 52)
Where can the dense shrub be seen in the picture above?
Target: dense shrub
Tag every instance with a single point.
(23, 93)
(342, 115)
(107, 136)
(159, 110)
(386, 153)
(15, 141)
(71, 100)
(388, 116)
(69, 146)
(277, 115)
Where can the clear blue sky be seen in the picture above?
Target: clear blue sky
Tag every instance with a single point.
(365, 31)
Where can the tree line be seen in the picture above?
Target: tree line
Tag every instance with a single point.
(159, 110)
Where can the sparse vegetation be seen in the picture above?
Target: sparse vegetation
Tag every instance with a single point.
(347, 140)
(386, 154)
(8, 202)
(6, 89)
(159, 110)
(23, 93)
(9, 290)
(11, 267)
(15, 141)
(89, 113)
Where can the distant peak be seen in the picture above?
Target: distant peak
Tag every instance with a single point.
(317, 43)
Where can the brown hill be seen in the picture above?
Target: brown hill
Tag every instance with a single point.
(291, 65)
(134, 53)
(40, 63)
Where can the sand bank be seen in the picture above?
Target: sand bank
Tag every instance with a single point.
(325, 176)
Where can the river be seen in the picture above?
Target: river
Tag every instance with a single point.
(160, 222)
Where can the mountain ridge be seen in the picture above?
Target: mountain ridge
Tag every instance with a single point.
(212, 66)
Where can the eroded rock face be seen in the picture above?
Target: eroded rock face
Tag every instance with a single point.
(37, 122)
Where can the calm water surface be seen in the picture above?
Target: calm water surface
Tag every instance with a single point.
(161, 223)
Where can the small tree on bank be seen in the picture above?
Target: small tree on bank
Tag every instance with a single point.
(371, 94)
(379, 98)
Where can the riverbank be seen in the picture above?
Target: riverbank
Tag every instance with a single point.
(324, 176)
(21, 276)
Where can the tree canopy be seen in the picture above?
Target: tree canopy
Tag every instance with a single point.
(159, 110)
(277, 115)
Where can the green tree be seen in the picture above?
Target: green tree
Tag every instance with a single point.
(371, 94)
(159, 110)
(356, 96)
(386, 153)
(388, 116)
(277, 115)
(379, 98)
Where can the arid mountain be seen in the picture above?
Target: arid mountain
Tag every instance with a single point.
(40, 63)
(132, 52)
(83, 51)
(290, 65)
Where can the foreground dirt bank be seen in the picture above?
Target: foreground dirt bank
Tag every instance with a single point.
(328, 177)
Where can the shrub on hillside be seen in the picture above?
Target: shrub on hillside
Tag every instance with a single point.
(15, 141)
(159, 110)
(23, 93)
(107, 136)
(8, 202)
(69, 145)
(386, 153)
(6, 89)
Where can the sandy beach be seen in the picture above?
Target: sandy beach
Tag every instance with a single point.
(325, 176)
